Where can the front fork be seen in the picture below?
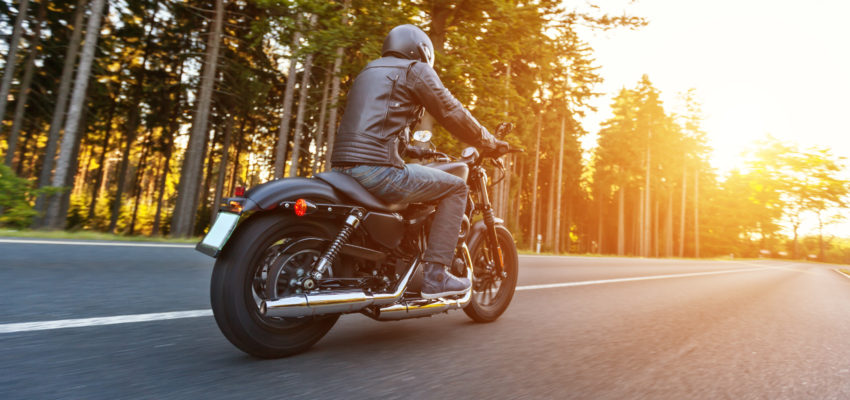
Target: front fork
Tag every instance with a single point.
(490, 223)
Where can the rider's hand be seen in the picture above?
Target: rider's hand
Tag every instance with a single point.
(487, 140)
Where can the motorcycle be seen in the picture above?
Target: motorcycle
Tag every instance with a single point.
(294, 254)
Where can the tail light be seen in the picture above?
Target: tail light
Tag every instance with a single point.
(300, 207)
(239, 191)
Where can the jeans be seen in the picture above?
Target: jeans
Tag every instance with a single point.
(420, 184)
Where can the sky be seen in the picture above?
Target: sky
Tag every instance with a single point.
(759, 67)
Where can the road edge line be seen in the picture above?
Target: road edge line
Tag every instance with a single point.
(840, 272)
(634, 279)
(135, 318)
(96, 243)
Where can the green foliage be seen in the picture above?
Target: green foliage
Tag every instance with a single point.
(522, 62)
(15, 196)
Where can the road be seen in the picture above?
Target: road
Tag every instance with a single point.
(580, 327)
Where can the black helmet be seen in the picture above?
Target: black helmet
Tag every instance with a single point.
(408, 41)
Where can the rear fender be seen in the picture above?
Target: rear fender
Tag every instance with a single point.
(270, 195)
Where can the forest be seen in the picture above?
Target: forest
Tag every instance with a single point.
(136, 117)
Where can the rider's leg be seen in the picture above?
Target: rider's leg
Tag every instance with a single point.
(417, 183)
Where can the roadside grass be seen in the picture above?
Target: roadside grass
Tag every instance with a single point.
(90, 235)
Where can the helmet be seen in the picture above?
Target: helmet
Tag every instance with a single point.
(408, 41)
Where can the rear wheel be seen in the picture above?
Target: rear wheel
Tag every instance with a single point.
(240, 282)
(492, 293)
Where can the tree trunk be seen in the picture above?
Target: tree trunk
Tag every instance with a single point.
(65, 197)
(656, 228)
(54, 218)
(239, 143)
(137, 181)
(668, 226)
(132, 127)
(550, 222)
(161, 191)
(288, 95)
(12, 57)
(334, 105)
(320, 128)
(599, 226)
(642, 224)
(102, 160)
(299, 117)
(682, 219)
(24, 92)
(533, 233)
(647, 225)
(518, 208)
(621, 223)
(58, 115)
(222, 166)
(183, 220)
(168, 145)
(696, 213)
(28, 137)
(558, 184)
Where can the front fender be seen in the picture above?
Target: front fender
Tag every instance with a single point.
(269, 195)
(480, 228)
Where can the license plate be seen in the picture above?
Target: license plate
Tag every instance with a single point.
(215, 239)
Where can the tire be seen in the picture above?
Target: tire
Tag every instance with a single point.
(234, 291)
(488, 306)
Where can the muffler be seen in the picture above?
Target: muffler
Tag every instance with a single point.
(421, 307)
(319, 303)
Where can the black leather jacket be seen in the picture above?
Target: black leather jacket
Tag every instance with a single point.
(386, 101)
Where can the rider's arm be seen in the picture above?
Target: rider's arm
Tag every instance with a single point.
(445, 108)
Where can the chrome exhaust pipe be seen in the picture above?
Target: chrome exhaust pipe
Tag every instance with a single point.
(424, 308)
(319, 303)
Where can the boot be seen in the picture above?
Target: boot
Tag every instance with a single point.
(439, 282)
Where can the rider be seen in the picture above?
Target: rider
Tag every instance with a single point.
(385, 101)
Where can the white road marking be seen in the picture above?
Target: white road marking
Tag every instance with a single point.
(842, 273)
(78, 243)
(84, 322)
(638, 278)
(125, 319)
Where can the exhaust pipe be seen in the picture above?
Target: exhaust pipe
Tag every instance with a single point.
(424, 308)
(317, 303)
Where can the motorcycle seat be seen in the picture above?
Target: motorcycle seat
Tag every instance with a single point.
(352, 189)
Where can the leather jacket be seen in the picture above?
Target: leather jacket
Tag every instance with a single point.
(386, 101)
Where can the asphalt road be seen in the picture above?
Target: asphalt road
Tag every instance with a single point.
(579, 328)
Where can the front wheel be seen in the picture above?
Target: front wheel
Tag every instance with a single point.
(240, 279)
(492, 293)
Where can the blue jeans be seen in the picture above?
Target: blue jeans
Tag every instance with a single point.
(420, 184)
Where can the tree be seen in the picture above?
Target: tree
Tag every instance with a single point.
(55, 218)
(187, 199)
(11, 58)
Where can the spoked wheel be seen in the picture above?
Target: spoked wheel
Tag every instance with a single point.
(492, 292)
(240, 282)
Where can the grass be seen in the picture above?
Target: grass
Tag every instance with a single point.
(89, 235)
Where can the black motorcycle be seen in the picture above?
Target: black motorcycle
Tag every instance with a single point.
(294, 254)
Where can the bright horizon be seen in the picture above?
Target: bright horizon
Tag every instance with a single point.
(758, 67)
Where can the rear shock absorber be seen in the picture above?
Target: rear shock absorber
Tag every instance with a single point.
(352, 221)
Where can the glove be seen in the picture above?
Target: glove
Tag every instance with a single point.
(487, 142)
(418, 153)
